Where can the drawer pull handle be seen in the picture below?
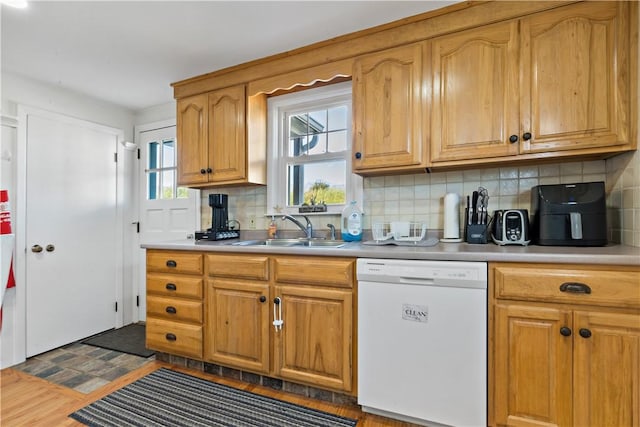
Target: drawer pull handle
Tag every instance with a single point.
(171, 310)
(171, 287)
(172, 264)
(170, 337)
(575, 287)
(565, 332)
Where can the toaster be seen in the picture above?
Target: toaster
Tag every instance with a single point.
(510, 227)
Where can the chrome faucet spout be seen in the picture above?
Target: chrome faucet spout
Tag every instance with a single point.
(307, 229)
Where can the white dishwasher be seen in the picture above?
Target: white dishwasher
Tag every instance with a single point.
(422, 341)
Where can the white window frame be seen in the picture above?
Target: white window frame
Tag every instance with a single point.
(276, 146)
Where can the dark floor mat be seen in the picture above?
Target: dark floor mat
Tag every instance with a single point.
(128, 339)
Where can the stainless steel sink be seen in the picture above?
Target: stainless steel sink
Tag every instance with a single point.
(306, 243)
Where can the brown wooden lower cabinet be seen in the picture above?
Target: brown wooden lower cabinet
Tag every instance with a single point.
(237, 326)
(314, 346)
(569, 358)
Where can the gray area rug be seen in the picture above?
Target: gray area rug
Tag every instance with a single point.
(128, 339)
(168, 398)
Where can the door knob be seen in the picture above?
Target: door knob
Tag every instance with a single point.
(36, 249)
(50, 248)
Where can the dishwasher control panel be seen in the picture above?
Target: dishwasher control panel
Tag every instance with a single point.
(437, 273)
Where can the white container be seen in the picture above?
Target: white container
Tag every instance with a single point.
(351, 223)
(452, 216)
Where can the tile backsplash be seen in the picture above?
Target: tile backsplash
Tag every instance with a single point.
(419, 197)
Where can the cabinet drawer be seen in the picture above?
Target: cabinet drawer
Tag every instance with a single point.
(239, 266)
(567, 284)
(175, 285)
(175, 309)
(174, 337)
(315, 271)
(174, 262)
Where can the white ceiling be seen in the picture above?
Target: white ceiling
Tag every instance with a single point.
(129, 52)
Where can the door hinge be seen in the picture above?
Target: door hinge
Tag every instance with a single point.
(137, 300)
(138, 154)
(137, 224)
(115, 157)
(116, 306)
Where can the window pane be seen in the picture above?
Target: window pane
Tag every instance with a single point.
(182, 193)
(337, 141)
(317, 121)
(168, 184)
(298, 146)
(337, 118)
(168, 154)
(154, 155)
(298, 125)
(318, 144)
(153, 185)
(320, 182)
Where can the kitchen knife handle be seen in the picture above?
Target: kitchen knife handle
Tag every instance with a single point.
(575, 287)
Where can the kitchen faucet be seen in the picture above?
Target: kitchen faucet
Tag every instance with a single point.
(308, 230)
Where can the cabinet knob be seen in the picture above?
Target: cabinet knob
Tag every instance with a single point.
(585, 333)
(170, 337)
(36, 248)
(171, 287)
(50, 248)
(203, 171)
(171, 310)
(513, 139)
(276, 300)
(263, 298)
(172, 264)
(565, 332)
(209, 170)
(358, 155)
(526, 136)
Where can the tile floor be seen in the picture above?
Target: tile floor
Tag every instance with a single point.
(82, 367)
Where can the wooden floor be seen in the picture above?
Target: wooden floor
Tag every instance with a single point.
(26, 400)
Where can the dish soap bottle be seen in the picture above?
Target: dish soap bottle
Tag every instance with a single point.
(352, 223)
(273, 228)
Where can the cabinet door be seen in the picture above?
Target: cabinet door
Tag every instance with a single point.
(236, 331)
(227, 141)
(192, 140)
(314, 345)
(607, 369)
(532, 366)
(388, 109)
(475, 94)
(576, 77)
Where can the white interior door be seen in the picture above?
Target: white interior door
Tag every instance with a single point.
(167, 212)
(71, 231)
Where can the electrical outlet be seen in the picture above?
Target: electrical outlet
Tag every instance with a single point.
(252, 223)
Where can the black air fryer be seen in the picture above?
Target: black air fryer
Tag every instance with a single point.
(569, 214)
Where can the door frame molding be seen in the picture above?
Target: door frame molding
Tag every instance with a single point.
(19, 343)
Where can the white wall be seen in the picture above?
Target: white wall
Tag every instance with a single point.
(18, 90)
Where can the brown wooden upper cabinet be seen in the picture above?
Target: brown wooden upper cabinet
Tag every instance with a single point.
(212, 144)
(388, 111)
(557, 81)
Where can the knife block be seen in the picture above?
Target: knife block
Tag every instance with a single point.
(475, 233)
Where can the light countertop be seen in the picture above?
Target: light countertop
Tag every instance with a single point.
(609, 255)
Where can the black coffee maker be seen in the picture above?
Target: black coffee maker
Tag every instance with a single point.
(220, 229)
